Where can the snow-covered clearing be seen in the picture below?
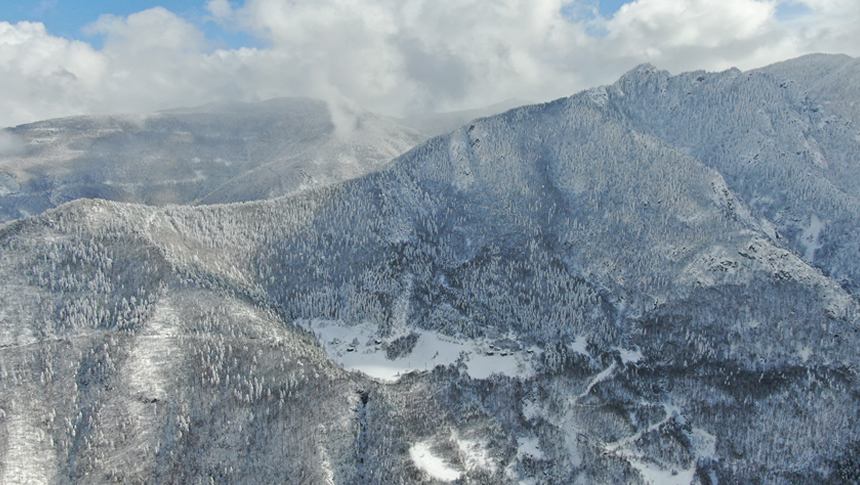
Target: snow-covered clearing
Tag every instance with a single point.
(809, 238)
(360, 348)
(475, 455)
(531, 409)
(431, 464)
(580, 346)
(529, 447)
(804, 352)
(670, 412)
(654, 474)
(629, 356)
(156, 352)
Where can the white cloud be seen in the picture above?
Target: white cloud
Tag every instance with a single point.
(695, 34)
(153, 29)
(219, 8)
(43, 76)
(399, 55)
(699, 23)
(831, 26)
(9, 144)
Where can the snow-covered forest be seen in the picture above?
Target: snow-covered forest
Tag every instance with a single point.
(655, 281)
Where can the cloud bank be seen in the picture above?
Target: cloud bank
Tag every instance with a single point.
(9, 144)
(400, 56)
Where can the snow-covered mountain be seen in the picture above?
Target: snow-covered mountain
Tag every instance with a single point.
(788, 149)
(648, 282)
(830, 80)
(209, 154)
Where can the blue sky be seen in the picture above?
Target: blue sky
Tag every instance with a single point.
(609, 7)
(394, 57)
(66, 18)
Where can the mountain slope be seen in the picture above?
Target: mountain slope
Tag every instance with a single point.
(663, 332)
(209, 154)
(829, 79)
(791, 159)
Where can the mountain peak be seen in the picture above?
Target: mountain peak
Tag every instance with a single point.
(644, 69)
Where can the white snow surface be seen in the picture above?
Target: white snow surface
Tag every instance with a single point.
(529, 447)
(630, 356)
(431, 464)
(654, 474)
(580, 346)
(475, 454)
(531, 410)
(804, 352)
(809, 238)
(432, 349)
(30, 456)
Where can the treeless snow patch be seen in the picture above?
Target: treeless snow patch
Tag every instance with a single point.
(529, 447)
(431, 464)
(809, 238)
(580, 346)
(654, 474)
(475, 455)
(805, 352)
(531, 410)
(630, 356)
(359, 347)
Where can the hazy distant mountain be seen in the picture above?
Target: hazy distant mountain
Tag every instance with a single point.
(209, 154)
(616, 287)
(435, 124)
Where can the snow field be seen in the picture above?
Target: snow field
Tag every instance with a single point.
(431, 464)
(356, 348)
